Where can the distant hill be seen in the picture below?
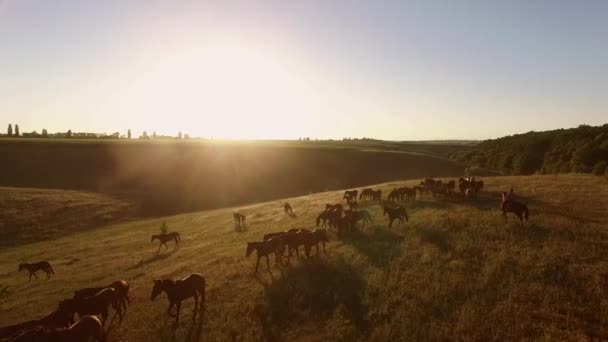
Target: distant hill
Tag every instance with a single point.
(583, 149)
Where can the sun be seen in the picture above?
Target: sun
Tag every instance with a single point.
(226, 89)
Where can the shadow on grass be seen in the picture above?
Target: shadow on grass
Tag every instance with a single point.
(380, 246)
(439, 239)
(314, 289)
(154, 258)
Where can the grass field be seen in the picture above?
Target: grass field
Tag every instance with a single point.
(454, 271)
(171, 177)
(30, 215)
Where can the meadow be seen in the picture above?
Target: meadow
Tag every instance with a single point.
(175, 176)
(455, 271)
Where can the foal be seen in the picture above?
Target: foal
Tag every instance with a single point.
(179, 290)
(398, 213)
(35, 267)
(164, 238)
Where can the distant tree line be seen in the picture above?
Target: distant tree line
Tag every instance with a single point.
(14, 132)
(582, 149)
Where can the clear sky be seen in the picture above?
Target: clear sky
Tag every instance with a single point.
(403, 70)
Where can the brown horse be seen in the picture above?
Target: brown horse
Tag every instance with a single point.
(511, 206)
(87, 328)
(366, 194)
(377, 195)
(350, 195)
(97, 304)
(38, 266)
(398, 213)
(164, 238)
(179, 290)
(274, 245)
(317, 236)
(60, 318)
(121, 286)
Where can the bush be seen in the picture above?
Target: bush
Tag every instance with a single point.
(599, 168)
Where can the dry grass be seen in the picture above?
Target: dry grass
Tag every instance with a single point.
(30, 215)
(455, 271)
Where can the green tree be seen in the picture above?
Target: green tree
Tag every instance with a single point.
(16, 130)
(45, 133)
(179, 135)
(129, 134)
(9, 131)
(69, 134)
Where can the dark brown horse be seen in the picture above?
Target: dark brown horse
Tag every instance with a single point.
(60, 318)
(179, 290)
(86, 329)
(366, 194)
(164, 238)
(274, 245)
(38, 266)
(288, 209)
(509, 205)
(97, 304)
(121, 286)
(398, 213)
(350, 195)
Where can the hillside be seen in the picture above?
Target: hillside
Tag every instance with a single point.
(454, 271)
(169, 177)
(583, 149)
(29, 215)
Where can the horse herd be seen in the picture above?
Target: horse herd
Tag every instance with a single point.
(91, 304)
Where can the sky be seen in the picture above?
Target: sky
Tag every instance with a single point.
(398, 70)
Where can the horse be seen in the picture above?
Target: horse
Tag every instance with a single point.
(366, 193)
(274, 245)
(393, 195)
(409, 193)
(377, 195)
(239, 221)
(86, 328)
(398, 213)
(318, 236)
(350, 195)
(353, 205)
(97, 304)
(121, 286)
(60, 318)
(38, 266)
(164, 238)
(323, 217)
(451, 186)
(179, 290)
(509, 205)
(287, 208)
(360, 215)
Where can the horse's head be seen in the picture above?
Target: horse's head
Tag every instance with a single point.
(21, 267)
(251, 246)
(157, 289)
(154, 237)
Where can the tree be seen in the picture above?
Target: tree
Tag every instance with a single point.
(9, 131)
(186, 136)
(16, 130)
(45, 133)
(69, 134)
(129, 134)
(153, 135)
(179, 135)
(144, 135)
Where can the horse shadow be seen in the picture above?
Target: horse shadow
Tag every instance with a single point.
(152, 259)
(315, 288)
(380, 246)
(437, 238)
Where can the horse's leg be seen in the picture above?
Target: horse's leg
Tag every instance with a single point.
(166, 245)
(36, 276)
(504, 213)
(159, 246)
(171, 304)
(267, 262)
(257, 264)
(195, 303)
(324, 251)
(30, 277)
(179, 306)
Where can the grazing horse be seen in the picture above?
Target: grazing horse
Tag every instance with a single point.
(287, 208)
(121, 286)
(318, 236)
(95, 305)
(179, 290)
(398, 213)
(38, 266)
(239, 221)
(88, 327)
(409, 193)
(509, 205)
(360, 215)
(350, 195)
(60, 318)
(451, 186)
(393, 195)
(366, 193)
(164, 238)
(377, 195)
(353, 205)
(274, 245)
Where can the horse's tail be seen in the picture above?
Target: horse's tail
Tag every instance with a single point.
(526, 212)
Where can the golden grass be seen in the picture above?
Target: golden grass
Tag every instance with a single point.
(455, 271)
